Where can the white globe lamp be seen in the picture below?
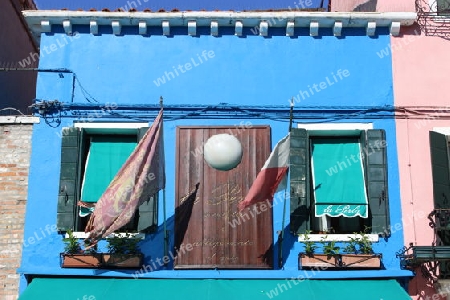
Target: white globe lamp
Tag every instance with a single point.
(222, 151)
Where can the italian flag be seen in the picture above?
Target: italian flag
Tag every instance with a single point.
(270, 176)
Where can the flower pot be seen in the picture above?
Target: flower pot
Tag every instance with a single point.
(81, 260)
(360, 260)
(122, 260)
(317, 261)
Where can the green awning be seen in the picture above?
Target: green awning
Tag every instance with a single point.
(212, 289)
(338, 178)
(106, 156)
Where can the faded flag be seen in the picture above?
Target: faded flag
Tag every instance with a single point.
(141, 176)
(271, 175)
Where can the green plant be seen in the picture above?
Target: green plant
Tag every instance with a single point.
(310, 246)
(352, 245)
(365, 244)
(329, 248)
(72, 244)
(361, 244)
(127, 244)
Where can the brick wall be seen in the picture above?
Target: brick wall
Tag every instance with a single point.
(15, 148)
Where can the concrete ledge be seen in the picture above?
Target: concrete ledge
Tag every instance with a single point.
(42, 20)
(19, 120)
(336, 237)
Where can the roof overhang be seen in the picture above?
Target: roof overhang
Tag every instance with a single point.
(40, 21)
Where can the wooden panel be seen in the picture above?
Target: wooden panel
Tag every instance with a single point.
(209, 230)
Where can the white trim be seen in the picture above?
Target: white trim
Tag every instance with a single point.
(110, 125)
(335, 126)
(93, 27)
(111, 128)
(335, 129)
(224, 18)
(142, 27)
(238, 26)
(337, 28)
(314, 28)
(85, 235)
(263, 28)
(290, 25)
(442, 130)
(337, 237)
(19, 120)
(42, 20)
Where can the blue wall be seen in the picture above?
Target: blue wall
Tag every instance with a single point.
(244, 71)
(179, 4)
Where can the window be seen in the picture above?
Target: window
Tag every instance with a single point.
(90, 158)
(339, 181)
(440, 156)
(439, 9)
(440, 166)
(442, 7)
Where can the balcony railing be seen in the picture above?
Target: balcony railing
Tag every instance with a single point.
(433, 17)
(433, 260)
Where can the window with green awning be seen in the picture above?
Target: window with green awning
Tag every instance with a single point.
(338, 178)
(347, 175)
(91, 169)
(105, 157)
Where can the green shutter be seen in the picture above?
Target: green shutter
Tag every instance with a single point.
(377, 189)
(148, 211)
(68, 186)
(440, 169)
(148, 215)
(443, 6)
(299, 181)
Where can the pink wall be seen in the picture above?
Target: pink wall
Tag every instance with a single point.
(420, 68)
(366, 5)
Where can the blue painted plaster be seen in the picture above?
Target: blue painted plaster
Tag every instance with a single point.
(249, 70)
(180, 4)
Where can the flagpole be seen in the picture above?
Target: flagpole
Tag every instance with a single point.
(291, 114)
(280, 244)
(166, 237)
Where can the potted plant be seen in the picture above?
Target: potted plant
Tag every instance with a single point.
(359, 253)
(75, 257)
(310, 259)
(123, 252)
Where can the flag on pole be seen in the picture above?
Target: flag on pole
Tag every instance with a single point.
(141, 176)
(272, 173)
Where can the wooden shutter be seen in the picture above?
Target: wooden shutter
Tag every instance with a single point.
(440, 169)
(377, 188)
(69, 178)
(207, 199)
(443, 6)
(300, 208)
(148, 212)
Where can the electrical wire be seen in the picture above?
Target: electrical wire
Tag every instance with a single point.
(12, 108)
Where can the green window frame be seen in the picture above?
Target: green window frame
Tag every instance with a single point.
(440, 165)
(373, 144)
(443, 7)
(74, 150)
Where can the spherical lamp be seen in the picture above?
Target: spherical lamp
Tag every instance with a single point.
(222, 151)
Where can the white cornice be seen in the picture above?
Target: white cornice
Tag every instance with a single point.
(18, 120)
(41, 21)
